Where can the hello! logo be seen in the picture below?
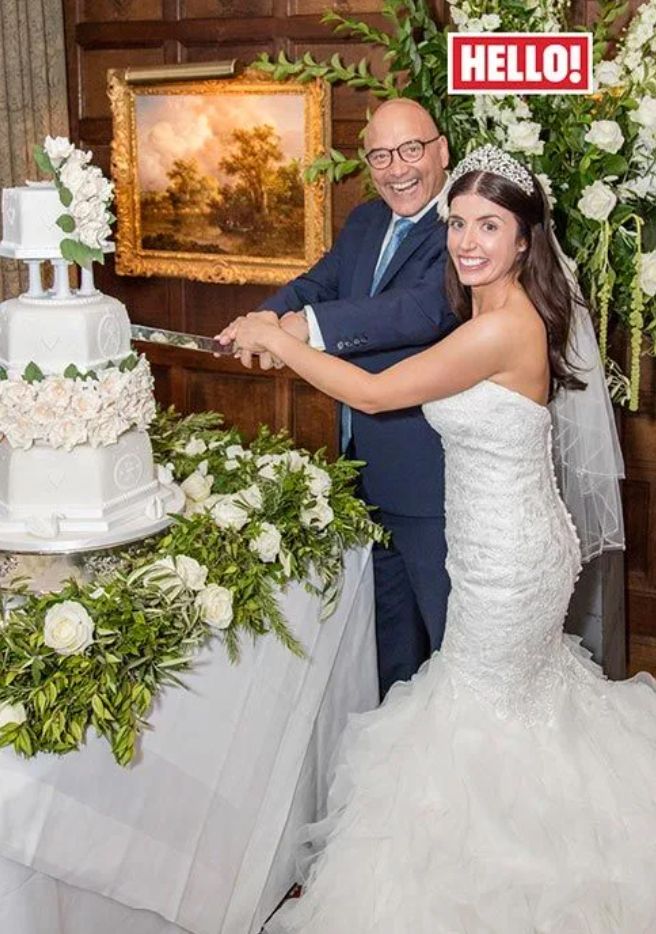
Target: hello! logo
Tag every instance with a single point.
(519, 63)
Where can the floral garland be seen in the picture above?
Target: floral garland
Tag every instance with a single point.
(257, 517)
(86, 195)
(595, 155)
(74, 408)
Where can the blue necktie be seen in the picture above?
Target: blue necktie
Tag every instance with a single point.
(401, 227)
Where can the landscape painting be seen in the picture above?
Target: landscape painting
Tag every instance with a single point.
(210, 178)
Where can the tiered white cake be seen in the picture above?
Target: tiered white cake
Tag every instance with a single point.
(76, 465)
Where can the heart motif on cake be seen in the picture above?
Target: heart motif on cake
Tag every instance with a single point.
(55, 480)
(49, 343)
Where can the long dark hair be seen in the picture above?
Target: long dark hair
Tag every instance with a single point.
(537, 268)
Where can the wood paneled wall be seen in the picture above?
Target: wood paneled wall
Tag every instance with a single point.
(104, 34)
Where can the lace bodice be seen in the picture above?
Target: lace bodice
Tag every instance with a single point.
(513, 554)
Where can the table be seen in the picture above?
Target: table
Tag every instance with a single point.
(198, 834)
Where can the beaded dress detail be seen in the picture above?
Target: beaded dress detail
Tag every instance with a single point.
(509, 788)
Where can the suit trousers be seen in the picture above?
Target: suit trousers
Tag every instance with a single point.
(411, 591)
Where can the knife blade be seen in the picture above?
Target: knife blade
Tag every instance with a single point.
(181, 339)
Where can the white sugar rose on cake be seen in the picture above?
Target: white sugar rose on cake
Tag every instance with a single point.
(76, 464)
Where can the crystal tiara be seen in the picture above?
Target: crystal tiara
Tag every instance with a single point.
(492, 159)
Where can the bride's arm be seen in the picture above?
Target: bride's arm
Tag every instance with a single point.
(477, 350)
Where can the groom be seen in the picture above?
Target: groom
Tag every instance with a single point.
(376, 298)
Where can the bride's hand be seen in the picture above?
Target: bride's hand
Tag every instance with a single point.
(250, 333)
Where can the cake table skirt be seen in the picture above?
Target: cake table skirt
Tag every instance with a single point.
(199, 834)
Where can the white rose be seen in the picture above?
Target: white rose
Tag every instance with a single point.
(227, 514)
(597, 201)
(106, 430)
(56, 390)
(196, 509)
(215, 606)
(319, 482)
(43, 412)
(197, 487)
(525, 137)
(92, 233)
(93, 188)
(192, 574)
(295, 461)
(648, 273)
(18, 395)
(317, 516)
(68, 628)
(20, 431)
(12, 713)
(58, 149)
(250, 497)
(266, 545)
(608, 73)
(195, 446)
(606, 135)
(112, 384)
(268, 472)
(67, 433)
(72, 174)
(85, 401)
(645, 114)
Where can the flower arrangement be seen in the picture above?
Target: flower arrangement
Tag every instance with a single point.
(595, 155)
(63, 411)
(84, 192)
(256, 517)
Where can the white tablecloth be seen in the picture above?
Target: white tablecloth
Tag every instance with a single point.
(201, 829)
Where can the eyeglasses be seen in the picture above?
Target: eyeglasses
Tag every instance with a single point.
(410, 151)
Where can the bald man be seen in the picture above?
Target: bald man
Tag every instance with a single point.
(375, 298)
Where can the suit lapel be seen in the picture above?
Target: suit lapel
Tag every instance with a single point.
(411, 242)
(370, 251)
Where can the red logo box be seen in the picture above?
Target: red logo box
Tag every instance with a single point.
(519, 63)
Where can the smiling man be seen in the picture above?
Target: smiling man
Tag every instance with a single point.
(376, 298)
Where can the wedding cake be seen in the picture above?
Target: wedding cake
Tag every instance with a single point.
(76, 464)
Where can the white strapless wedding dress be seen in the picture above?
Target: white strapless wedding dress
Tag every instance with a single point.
(509, 788)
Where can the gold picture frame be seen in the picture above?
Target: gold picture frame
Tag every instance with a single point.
(230, 221)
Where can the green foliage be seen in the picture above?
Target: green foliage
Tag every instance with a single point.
(147, 635)
(66, 223)
(32, 373)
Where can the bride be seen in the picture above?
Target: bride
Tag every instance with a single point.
(509, 788)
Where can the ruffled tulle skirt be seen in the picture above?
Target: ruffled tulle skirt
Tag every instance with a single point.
(445, 819)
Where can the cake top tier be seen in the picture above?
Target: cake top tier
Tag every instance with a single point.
(67, 218)
(29, 222)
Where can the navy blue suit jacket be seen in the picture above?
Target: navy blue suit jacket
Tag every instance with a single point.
(405, 463)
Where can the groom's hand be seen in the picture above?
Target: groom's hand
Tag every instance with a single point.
(245, 356)
(295, 323)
